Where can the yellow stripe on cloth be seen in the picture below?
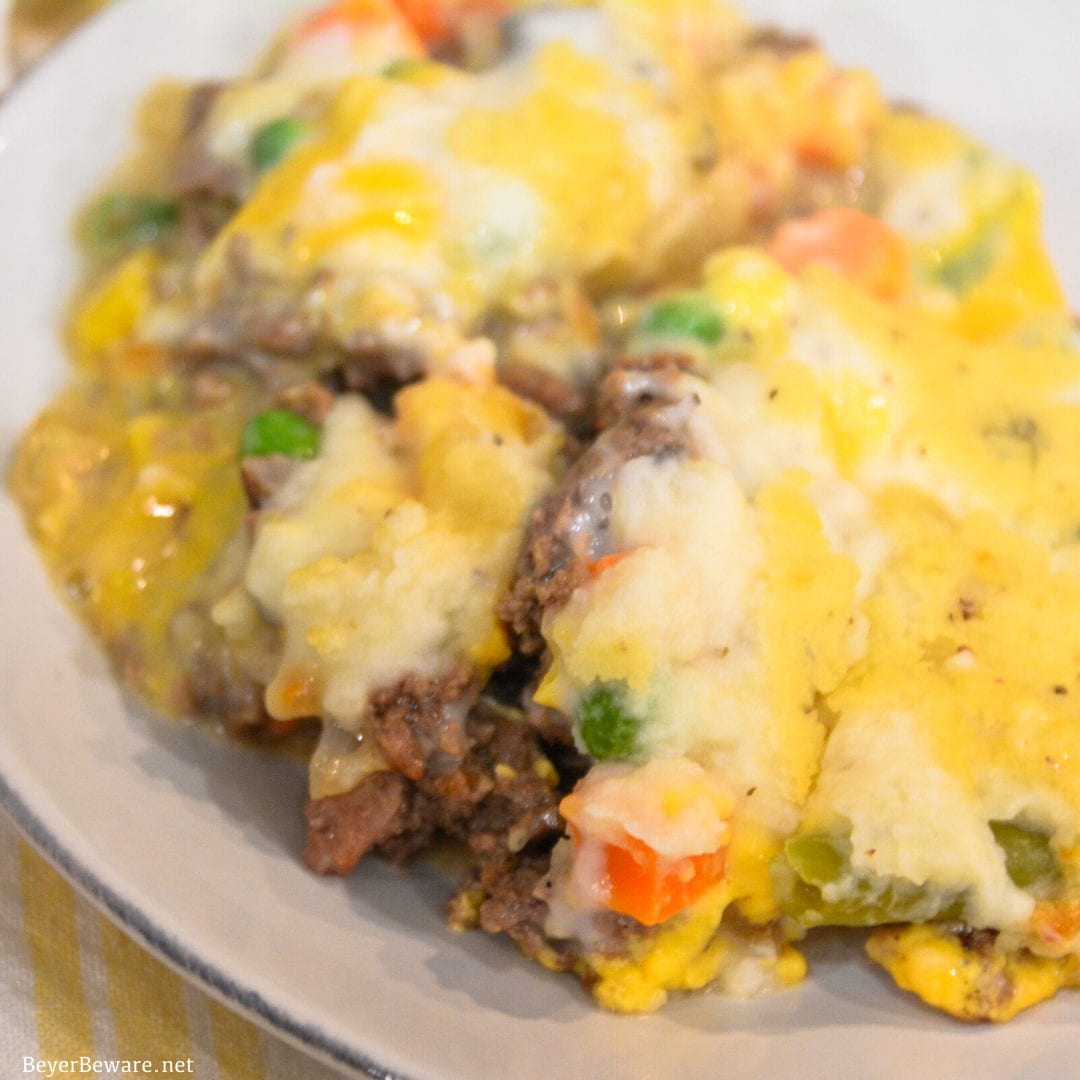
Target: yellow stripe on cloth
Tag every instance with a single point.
(97, 993)
(63, 1018)
(238, 1045)
(146, 1000)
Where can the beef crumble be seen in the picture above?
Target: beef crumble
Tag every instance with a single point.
(474, 771)
(645, 416)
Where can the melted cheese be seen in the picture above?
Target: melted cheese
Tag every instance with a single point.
(438, 186)
(386, 555)
(994, 986)
(699, 664)
(695, 951)
(133, 501)
(973, 221)
(872, 539)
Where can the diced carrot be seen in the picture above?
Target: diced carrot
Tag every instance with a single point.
(842, 108)
(355, 16)
(855, 245)
(429, 18)
(435, 20)
(605, 563)
(651, 889)
(1056, 922)
(648, 840)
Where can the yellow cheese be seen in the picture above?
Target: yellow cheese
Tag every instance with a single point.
(386, 555)
(589, 178)
(113, 309)
(932, 963)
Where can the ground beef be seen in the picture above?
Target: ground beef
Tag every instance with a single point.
(639, 382)
(258, 316)
(343, 828)
(196, 171)
(421, 722)
(198, 174)
(262, 323)
(505, 902)
(477, 40)
(506, 896)
(567, 531)
(309, 399)
(474, 772)
(211, 685)
(199, 103)
(558, 396)
(552, 725)
(253, 322)
(370, 367)
(208, 190)
(781, 42)
(978, 941)
(216, 689)
(264, 475)
(521, 806)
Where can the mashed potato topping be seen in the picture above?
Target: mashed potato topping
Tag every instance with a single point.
(385, 555)
(635, 452)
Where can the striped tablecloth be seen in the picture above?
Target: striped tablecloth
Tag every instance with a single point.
(74, 988)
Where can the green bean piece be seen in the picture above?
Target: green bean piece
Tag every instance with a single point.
(279, 431)
(818, 858)
(402, 67)
(125, 220)
(274, 140)
(960, 272)
(1029, 856)
(608, 728)
(685, 317)
(801, 876)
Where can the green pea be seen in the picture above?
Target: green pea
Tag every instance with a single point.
(1029, 857)
(608, 728)
(685, 317)
(274, 140)
(279, 431)
(125, 220)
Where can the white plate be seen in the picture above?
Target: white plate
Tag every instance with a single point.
(193, 845)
